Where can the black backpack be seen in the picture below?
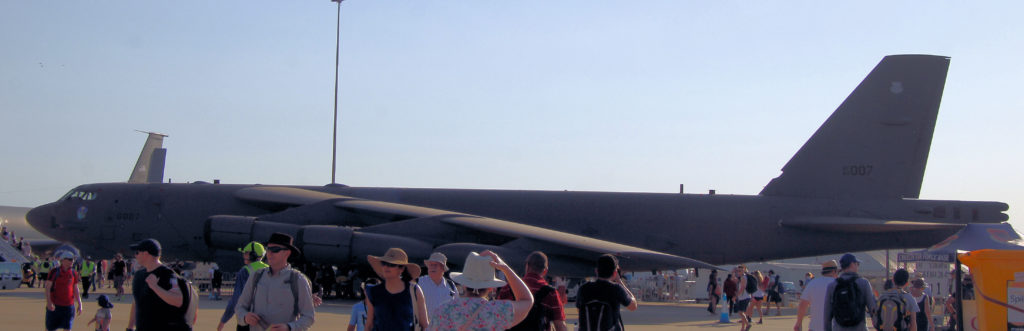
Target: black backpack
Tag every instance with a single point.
(597, 315)
(536, 319)
(751, 284)
(847, 307)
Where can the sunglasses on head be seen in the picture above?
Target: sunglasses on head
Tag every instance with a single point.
(276, 249)
(389, 264)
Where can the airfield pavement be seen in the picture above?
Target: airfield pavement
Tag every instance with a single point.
(23, 309)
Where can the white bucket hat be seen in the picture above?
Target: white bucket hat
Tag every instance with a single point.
(477, 273)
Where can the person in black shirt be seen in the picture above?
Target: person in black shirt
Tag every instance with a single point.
(597, 298)
(159, 303)
(118, 271)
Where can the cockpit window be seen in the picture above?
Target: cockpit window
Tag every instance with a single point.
(76, 194)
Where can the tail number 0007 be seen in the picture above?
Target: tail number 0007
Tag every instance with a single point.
(858, 170)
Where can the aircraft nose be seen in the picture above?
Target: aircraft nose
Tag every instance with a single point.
(39, 217)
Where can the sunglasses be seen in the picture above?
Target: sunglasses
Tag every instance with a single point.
(276, 249)
(389, 264)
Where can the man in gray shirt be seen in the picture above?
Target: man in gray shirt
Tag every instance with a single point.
(865, 298)
(277, 298)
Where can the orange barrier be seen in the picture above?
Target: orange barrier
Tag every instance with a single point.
(998, 287)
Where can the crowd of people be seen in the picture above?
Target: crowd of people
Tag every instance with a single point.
(269, 294)
(840, 299)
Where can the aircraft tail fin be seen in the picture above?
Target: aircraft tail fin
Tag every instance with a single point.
(876, 144)
(150, 166)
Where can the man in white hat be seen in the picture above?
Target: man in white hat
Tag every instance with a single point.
(437, 290)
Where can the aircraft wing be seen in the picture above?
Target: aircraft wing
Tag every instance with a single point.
(863, 225)
(456, 233)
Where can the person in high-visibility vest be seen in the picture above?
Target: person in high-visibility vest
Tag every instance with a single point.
(252, 255)
(87, 269)
(44, 269)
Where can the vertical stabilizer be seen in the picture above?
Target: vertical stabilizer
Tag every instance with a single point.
(875, 145)
(150, 166)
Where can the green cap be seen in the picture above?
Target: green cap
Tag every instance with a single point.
(254, 247)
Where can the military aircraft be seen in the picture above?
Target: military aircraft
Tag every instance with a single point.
(853, 186)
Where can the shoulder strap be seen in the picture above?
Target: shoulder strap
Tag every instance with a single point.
(252, 292)
(543, 292)
(295, 290)
(415, 307)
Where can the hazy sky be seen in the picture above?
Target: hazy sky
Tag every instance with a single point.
(548, 95)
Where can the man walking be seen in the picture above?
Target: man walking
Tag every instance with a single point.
(850, 298)
(814, 298)
(547, 301)
(63, 301)
(437, 290)
(277, 298)
(87, 269)
(252, 257)
(159, 302)
(897, 309)
(598, 301)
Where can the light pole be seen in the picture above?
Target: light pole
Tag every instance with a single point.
(337, 47)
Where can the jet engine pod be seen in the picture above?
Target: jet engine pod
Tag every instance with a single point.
(232, 232)
(344, 245)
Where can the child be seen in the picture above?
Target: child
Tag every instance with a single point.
(102, 317)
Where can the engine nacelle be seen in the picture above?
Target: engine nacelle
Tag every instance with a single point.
(319, 243)
(232, 232)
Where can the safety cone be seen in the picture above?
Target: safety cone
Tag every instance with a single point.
(724, 316)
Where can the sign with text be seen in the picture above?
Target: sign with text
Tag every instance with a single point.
(925, 257)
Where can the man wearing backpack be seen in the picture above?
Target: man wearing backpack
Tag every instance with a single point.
(277, 298)
(547, 309)
(159, 301)
(896, 308)
(851, 298)
(63, 300)
(598, 301)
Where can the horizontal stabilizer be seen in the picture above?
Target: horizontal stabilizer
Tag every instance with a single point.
(863, 225)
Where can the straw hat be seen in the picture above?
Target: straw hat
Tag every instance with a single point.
(393, 256)
(477, 273)
(829, 265)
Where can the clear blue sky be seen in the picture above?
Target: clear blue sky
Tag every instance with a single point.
(548, 95)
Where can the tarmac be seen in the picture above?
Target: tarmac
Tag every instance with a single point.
(23, 309)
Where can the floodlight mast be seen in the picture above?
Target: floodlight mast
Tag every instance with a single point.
(337, 47)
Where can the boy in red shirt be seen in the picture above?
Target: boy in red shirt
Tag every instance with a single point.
(63, 300)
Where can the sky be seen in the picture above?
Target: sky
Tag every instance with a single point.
(542, 95)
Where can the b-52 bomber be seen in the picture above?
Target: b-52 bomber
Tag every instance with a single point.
(853, 186)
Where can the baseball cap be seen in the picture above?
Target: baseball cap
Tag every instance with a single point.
(150, 246)
(254, 247)
(847, 259)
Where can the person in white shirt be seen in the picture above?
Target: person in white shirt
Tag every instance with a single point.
(437, 290)
(814, 297)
